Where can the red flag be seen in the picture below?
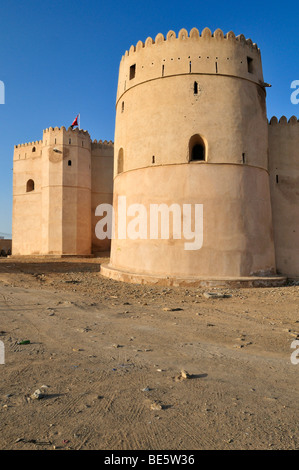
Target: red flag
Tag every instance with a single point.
(75, 123)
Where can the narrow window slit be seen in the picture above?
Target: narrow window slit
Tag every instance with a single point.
(250, 64)
(132, 71)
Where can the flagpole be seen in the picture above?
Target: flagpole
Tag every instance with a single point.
(79, 122)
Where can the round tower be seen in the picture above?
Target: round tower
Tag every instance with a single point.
(191, 128)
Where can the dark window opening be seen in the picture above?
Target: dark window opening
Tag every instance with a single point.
(197, 150)
(243, 158)
(216, 65)
(190, 66)
(195, 88)
(55, 141)
(122, 106)
(250, 64)
(30, 186)
(276, 179)
(69, 163)
(153, 159)
(34, 149)
(132, 71)
(70, 141)
(163, 70)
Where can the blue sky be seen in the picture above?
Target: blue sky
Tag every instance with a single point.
(60, 58)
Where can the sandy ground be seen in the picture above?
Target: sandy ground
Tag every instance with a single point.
(108, 351)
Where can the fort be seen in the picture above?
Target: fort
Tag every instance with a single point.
(57, 184)
(191, 128)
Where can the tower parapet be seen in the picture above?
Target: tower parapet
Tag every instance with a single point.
(186, 54)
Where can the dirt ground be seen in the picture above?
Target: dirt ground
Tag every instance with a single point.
(109, 352)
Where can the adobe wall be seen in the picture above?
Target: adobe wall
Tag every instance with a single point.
(27, 206)
(284, 184)
(101, 186)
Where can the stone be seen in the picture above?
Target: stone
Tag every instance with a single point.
(38, 395)
(216, 295)
(156, 406)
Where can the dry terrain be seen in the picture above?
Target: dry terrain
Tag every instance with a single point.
(108, 356)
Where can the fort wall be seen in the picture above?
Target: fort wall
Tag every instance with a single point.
(284, 183)
(101, 186)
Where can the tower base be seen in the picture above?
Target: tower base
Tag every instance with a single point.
(175, 281)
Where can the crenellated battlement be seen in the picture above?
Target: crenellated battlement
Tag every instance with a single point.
(283, 121)
(101, 142)
(194, 35)
(29, 144)
(189, 54)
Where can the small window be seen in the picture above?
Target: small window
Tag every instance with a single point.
(195, 88)
(197, 149)
(34, 149)
(55, 141)
(276, 179)
(243, 158)
(163, 68)
(132, 71)
(122, 106)
(30, 186)
(69, 163)
(70, 141)
(250, 64)
(153, 159)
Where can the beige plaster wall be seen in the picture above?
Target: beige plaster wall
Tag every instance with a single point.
(237, 224)
(284, 184)
(27, 205)
(5, 245)
(101, 187)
